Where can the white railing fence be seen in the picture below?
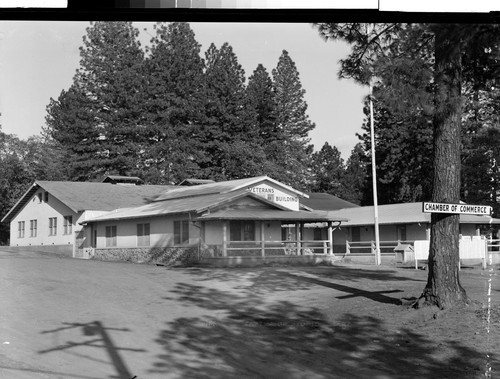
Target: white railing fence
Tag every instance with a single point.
(368, 247)
(493, 251)
(471, 247)
(273, 248)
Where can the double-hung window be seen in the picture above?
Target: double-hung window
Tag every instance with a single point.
(20, 229)
(111, 236)
(181, 232)
(68, 224)
(52, 226)
(143, 234)
(33, 228)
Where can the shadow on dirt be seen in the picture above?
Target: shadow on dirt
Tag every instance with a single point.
(332, 272)
(264, 280)
(351, 291)
(249, 337)
(101, 339)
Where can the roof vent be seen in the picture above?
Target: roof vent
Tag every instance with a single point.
(195, 182)
(117, 179)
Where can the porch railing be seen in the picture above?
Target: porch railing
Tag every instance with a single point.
(492, 251)
(273, 248)
(368, 247)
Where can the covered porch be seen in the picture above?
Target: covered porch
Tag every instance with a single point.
(253, 237)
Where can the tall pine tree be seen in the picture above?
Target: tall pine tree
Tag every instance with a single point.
(71, 126)
(292, 150)
(262, 102)
(261, 99)
(328, 171)
(355, 176)
(105, 103)
(231, 132)
(174, 106)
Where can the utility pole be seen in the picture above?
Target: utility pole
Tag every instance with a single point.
(378, 259)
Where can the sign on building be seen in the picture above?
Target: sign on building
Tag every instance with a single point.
(288, 200)
(456, 208)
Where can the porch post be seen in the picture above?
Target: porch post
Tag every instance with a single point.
(301, 237)
(297, 238)
(224, 238)
(330, 237)
(262, 237)
(201, 242)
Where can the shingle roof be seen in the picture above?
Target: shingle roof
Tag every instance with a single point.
(326, 202)
(405, 213)
(221, 187)
(102, 196)
(196, 204)
(80, 196)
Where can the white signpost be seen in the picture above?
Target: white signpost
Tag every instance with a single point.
(456, 208)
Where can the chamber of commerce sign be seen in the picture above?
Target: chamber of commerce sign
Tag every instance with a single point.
(456, 208)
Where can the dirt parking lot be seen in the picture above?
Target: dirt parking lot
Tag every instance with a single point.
(67, 318)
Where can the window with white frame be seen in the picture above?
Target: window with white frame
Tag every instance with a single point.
(111, 236)
(181, 232)
(33, 228)
(143, 234)
(52, 226)
(20, 229)
(68, 224)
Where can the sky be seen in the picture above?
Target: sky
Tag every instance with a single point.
(38, 60)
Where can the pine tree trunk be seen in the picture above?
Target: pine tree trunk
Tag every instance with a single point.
(443, 286)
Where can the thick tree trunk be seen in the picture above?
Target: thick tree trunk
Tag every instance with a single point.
(443, 286)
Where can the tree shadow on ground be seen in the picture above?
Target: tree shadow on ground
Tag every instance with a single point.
(365, 273)
(378, 296)
(253, 338)
(273, 279)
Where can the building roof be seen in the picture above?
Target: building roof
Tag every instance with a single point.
(223, 187)
(81, 196)
(405, 213)
(199, 204)
(195, 204)
(326, 202)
